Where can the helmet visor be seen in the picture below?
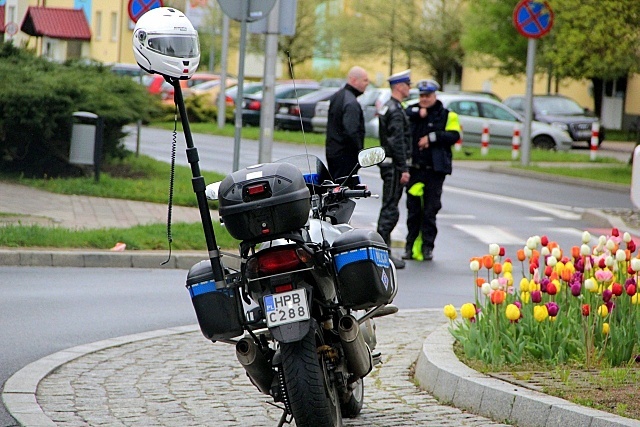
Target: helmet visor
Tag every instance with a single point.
(176, 46)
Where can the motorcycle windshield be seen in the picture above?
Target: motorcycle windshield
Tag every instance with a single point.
(312, 168)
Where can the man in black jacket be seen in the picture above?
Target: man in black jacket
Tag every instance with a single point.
(345, 125)
(395, 138)
(434, 130)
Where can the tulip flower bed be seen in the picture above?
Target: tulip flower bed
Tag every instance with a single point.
(575, 307)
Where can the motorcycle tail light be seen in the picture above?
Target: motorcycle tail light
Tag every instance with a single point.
(254, 105)
(273, 262)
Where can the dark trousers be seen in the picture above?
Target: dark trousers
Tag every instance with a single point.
(422, 211)
(391, 194)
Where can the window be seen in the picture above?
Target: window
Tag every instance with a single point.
(492, 111)
(465, 108)
(114, 26)
(99, 25)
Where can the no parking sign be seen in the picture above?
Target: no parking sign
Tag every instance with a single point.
(533, 19)
(137, 8)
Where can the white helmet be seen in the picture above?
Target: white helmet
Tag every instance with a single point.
(165, 42)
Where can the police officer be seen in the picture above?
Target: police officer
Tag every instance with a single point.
(395, 138)
(434, 129)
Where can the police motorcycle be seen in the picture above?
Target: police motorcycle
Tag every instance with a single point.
(300, 303)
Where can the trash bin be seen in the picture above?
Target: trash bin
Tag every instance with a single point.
(86, 140)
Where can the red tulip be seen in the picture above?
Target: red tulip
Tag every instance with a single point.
(551, 289)
(616, 288)
(615, 232)
(544, 240)
(548, 270)
(585, 309)
(631, 290)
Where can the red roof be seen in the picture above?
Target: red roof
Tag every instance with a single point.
(56, 23)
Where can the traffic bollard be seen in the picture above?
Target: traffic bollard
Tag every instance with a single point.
(595, 132)
(484, 141)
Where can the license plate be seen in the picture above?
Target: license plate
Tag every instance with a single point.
(286, 307)
(583, 134)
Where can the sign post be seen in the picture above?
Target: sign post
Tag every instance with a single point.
(243, 11)
(533, 19)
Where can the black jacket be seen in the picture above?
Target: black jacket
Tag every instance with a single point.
(395, 134)
(447, 131)
(345, 124)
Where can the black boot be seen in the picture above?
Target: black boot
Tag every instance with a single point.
(427, 254)
(400, 264)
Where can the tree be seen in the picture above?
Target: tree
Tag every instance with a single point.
(391, 28)
(596, 40)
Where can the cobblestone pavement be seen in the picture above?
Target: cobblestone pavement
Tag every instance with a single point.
(184, 380)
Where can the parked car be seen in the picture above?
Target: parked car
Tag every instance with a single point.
(248, 88)
(291, 112)
(209, 90)
(561, 112)
(166, 90)
(128, 70)
(251, 104)
(476, 110)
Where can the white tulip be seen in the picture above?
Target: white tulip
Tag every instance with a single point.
(545, 251)
(474, 265)
(611, 245)
(635, 264)
(585, 250)
(589, 284)
(486, 288)
(586, 237)
(494, 249)
(557, 253)
(528, 252)
(552, 261)
(495, 284)
(531, 243)
(621, 255)
(609, 261)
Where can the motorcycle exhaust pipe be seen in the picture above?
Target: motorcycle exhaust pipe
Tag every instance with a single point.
(255, 364)
(355, 348)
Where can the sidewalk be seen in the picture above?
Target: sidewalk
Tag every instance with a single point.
(174, 377)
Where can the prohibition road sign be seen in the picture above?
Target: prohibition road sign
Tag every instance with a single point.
(137, 8)
(533, 19)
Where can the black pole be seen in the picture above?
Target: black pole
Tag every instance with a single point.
(199, 186)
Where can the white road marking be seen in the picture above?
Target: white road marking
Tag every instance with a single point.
(559, 211)
(489, 234)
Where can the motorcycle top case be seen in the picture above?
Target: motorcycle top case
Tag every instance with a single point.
(264, 200)
(365, 275)
(217, 310)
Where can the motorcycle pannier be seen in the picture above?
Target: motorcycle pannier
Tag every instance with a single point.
(365, 277)
(264, 200)
(216, 309)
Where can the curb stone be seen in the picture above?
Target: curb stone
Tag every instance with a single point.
(439, 372)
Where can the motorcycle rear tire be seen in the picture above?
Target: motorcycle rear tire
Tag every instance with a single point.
(313, 397)
(352, 407)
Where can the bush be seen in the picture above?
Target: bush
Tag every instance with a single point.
(37, 99)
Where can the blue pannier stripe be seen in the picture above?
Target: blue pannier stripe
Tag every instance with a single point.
(202, 288)
(379, 256)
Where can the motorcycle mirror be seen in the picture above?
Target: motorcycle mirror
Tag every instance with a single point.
(371, 156)
(212, 190)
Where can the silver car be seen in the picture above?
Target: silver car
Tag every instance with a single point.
(474, 111)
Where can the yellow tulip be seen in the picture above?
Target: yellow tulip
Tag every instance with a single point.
(603, 310)
(540, 312)
(512, 312)
(507, 267)
(468, 310)
(635, 300)
(524, 285)
(605, 328)
(525, 297)
(450, 311)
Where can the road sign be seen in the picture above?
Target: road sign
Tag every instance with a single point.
(137, 8)
(11, 29)
(255, 9)
(533, 19)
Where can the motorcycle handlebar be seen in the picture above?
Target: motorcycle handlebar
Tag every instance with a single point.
(356, 193)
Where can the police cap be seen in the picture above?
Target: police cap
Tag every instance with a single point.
(428, 86)
(401, 77)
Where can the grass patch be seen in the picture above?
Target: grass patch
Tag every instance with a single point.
(133, 178)
(144, 237)
(616, 174)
